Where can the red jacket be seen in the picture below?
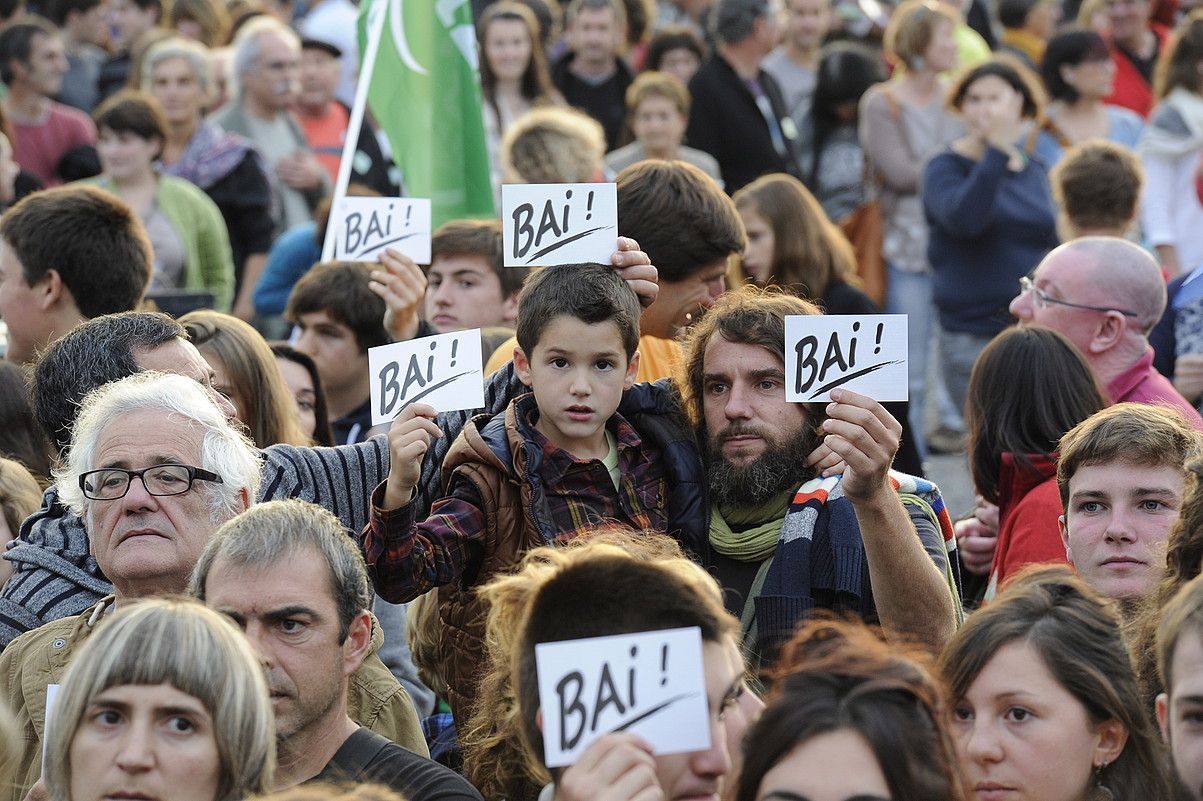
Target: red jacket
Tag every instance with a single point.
(1131, 90)
(1028, 507)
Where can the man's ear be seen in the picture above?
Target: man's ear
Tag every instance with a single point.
(1163, 716)
(522, 366)
(1109, 333)
(358, 642)
(1064, 529)
(49, 290)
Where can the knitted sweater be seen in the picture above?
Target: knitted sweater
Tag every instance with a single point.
(990, 226)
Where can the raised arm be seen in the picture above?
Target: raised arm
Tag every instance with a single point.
(910, 592)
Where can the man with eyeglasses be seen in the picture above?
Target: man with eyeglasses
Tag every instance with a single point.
(153, 469)
(1105, 294)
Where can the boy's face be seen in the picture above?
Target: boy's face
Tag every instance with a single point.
(1116, 524)
(1181, 712)
(464, 292)
(578, 372)
(333, 348)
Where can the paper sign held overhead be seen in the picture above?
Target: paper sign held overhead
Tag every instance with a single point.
(863, 353)
(545, 224)
(444, 370)
(365, 226)
(651, 683)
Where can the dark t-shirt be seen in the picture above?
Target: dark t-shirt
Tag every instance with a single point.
(368, 757)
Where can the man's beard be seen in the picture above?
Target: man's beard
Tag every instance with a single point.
(780, 467)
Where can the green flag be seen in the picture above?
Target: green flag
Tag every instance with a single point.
(424, 91)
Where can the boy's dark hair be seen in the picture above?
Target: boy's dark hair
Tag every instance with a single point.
(479, 238)
(592, 293)
(1135, 433)
(600, 596)
(679, 216)
(340, 288)
(90, 238)
(57, 10)
(16, 42)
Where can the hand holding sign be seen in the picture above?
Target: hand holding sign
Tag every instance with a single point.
(617, 767)
(545, 224)
(650, 684)
(408, 440)
(865, 353)
(866, 437)
(365, 226)
(402, 284)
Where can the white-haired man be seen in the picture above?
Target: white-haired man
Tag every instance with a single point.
(267, 64)
(153, 469)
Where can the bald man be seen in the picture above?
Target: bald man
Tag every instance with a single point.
(1105, 294)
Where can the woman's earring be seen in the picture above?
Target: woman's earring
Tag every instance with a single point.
(1100, 791)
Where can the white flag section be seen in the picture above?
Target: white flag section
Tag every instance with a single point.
(649, 683)
(444, 370)
(863, 353)
(545, 224)
(365, 226)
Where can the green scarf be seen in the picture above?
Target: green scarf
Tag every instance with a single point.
(759, 528)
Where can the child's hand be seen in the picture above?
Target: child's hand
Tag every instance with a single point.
(408, 439)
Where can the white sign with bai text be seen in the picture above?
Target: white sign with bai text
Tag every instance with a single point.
(444, 370)
(864, 353)
(546, 224)
(651, 683)
(367, 225)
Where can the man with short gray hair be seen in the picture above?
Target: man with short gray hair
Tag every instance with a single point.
(738, 114)
(267, 67)
(590, 75)
(288, 574)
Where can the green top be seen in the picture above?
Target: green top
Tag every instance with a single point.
(208, 259)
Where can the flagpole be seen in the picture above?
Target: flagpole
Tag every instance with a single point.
(376, 17)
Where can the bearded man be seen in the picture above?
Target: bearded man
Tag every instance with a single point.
(785, 540)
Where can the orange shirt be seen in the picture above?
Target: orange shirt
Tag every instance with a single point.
(325, 134)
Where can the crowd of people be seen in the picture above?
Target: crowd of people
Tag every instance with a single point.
(221, 581)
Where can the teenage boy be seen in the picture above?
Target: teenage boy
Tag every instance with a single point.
(467, 286)
(1121, 476)
(1179, 654)
(339, 317)
(556, 462)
